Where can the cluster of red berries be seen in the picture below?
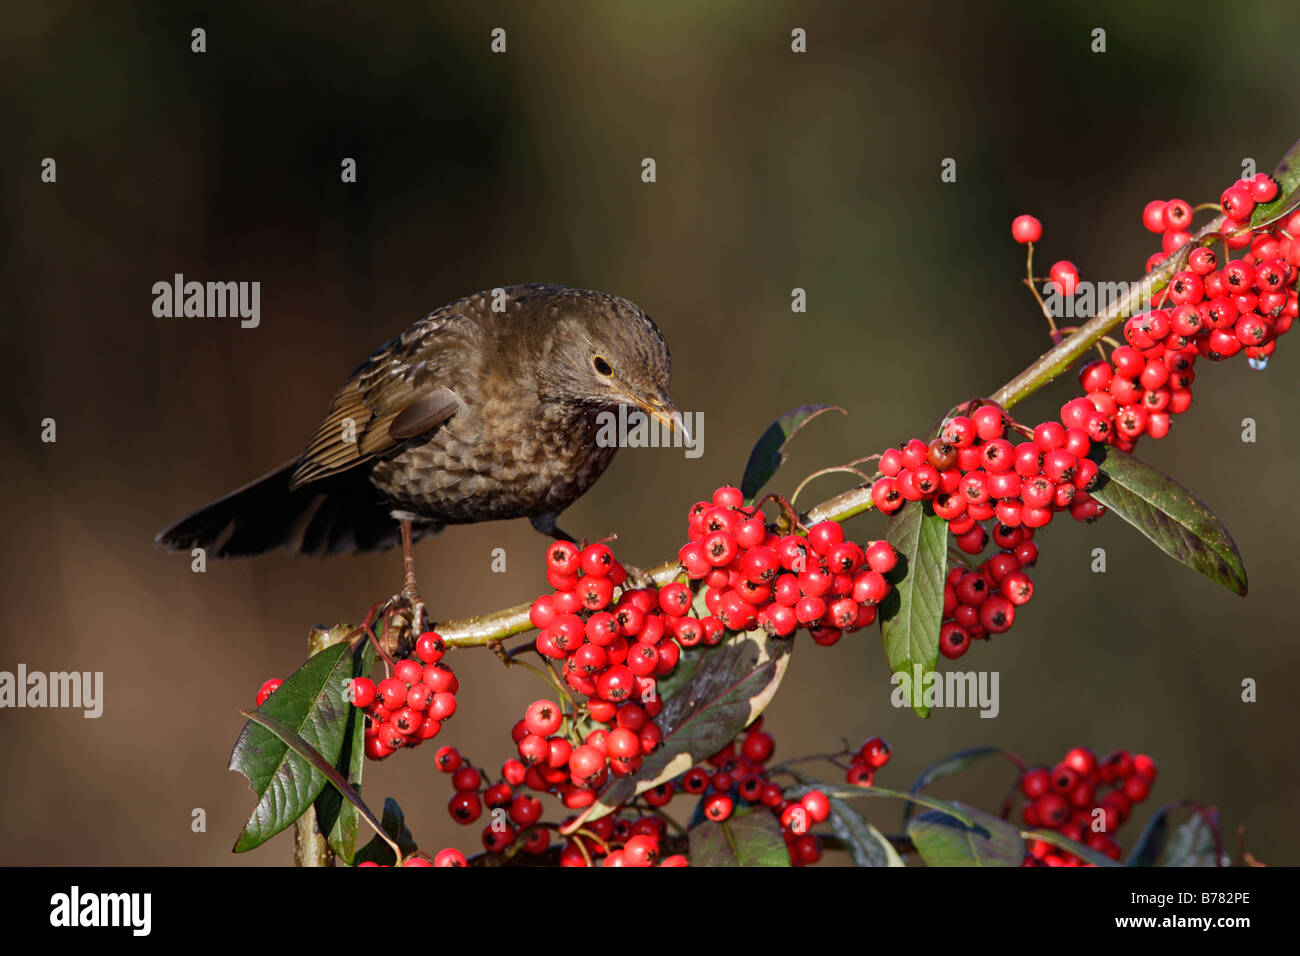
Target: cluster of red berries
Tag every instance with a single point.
(739, 777)
(620, 841)
(1208, 311)
(408, 707)
(555, 758)
(973, 477)
(983, 601)
(756, 578)
(516, 813)
(511, 812)
(447, 857)
(972, 473)
(612, 650)
(869, 758)
(1068, 799)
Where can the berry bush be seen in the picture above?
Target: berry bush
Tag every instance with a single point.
(648, 747)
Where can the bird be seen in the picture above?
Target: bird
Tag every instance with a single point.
(488, 408)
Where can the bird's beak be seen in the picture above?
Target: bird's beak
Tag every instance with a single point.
(663, 411)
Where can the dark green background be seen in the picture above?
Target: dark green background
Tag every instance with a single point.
(775, 171)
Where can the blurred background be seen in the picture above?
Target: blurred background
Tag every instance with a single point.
(775, 171)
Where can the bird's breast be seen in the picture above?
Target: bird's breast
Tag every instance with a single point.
(493, 462)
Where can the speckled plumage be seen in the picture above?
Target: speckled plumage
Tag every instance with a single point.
(469, 415)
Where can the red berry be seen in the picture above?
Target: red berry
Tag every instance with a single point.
(1153, 215)
(392, 691)
(267, 689)
(543, 717)
(875, 753)
(467, 778)
(465, 806)
(758, 746)
(1177, 216)
(1026, 229)
(563, 558)
(361, 692)
(430, 647)
(447, 759)
(1065, 275)
(718, 807)
(597, 560)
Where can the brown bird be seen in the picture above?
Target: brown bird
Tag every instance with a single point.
(472, 414)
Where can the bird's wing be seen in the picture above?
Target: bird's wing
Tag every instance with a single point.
(404, 390)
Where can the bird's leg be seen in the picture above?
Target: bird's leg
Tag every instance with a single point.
(546, 525)
(411, 590)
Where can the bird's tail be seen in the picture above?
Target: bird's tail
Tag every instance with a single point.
(319, 518)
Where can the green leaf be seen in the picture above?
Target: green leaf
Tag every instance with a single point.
(769, 452)
(943, 840)
(954, 764)
(727, 688)
(867, 845)
(311, 705)
(378, 849)
(1287, 175)
(1151, 841)
(314, 758)
(1191, 843)
(910, 615)
(336, 816)
(1065, 843)
(1173, 518)
(747, 838)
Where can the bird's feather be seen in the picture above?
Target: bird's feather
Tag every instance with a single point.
(400, 393)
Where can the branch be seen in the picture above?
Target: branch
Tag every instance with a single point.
(489, 628)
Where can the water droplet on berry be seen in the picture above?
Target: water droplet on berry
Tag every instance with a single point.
(1258, 364)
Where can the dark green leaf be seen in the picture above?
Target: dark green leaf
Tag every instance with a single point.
(943, 840)
(748, 838)
(1065, 843)
(867, 845)
(953, 764)
(336, 816)
(394, 824)
(1287, 175)
(314, 759)
(769, 452)
(311, 704)
(1173, 518)
(725, 691)
(1151, 841)
(910, 615)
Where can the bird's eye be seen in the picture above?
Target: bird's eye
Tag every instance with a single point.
(602, 366)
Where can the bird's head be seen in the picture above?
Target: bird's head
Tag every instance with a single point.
(614, 354)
